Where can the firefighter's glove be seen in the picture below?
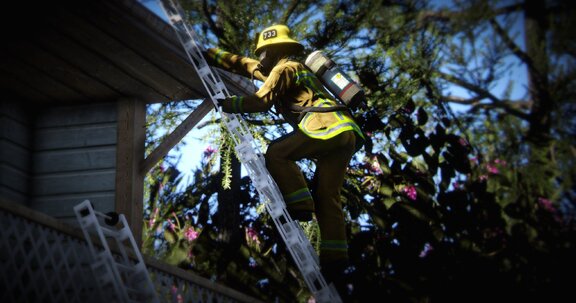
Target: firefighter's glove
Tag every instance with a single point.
(208, 54)
(219, 102)
(231, 104)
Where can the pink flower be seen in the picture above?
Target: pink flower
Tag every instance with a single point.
(191, 234)
(546, 204)
(501, 162)
(171, 225)
(549, 207)
(410, 191)
(375, 166)
(209, 151)
(252, 234)
(492, 169)
(426, 250)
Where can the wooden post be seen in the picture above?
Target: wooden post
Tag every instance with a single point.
(129, 155)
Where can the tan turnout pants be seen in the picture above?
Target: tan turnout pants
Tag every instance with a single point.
(332, 159)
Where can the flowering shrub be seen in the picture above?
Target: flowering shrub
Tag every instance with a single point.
(410, 192)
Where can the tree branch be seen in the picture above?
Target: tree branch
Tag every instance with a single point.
(476, 89)
(482, 94)
(510, 44)
(461, 100)
(208, 14)
(289, 11)
(446, 16)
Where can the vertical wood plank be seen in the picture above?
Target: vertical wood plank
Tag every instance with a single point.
(129, 155)
(14, 152)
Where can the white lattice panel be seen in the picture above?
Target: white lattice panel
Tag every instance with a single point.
(41, 264)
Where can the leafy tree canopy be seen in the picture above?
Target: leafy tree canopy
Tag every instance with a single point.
(476, 205)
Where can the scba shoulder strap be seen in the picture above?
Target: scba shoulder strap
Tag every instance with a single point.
(303, 110)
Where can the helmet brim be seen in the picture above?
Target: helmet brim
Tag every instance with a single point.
(291, 47)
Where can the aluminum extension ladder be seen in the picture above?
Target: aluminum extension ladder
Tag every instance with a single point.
(120, 279)
(299, 246)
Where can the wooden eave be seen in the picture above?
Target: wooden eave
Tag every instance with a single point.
(95, 51)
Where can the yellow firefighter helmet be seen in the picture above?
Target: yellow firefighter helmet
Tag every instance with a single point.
(275, 34)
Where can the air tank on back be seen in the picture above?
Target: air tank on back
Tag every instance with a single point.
(335, 80)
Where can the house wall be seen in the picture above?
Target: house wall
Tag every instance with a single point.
(15, 153)
(74, 158)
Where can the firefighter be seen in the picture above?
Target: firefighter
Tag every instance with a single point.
(323, 131)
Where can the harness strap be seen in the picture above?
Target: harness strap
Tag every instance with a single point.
(317, 109)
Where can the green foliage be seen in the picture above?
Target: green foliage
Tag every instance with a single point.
(438, 206)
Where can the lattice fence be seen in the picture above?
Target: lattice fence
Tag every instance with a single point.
(41, 264)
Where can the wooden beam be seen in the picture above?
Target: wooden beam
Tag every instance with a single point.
(173, 138)
(129, 154)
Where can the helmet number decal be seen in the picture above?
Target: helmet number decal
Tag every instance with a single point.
(269, 34)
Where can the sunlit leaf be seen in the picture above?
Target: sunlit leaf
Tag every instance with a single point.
(170, 235)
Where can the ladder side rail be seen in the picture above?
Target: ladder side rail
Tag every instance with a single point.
(296, 242)
(140, 266)
(88, 221)
(105, 261)
(193, 49)
(210, 79)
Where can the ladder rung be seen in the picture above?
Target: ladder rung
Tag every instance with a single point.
(204, 71)
(219, 95)
(175, 18)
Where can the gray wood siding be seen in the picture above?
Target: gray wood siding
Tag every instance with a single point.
(15, 154)
(74, 159)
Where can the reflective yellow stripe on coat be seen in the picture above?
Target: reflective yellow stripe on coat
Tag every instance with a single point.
(343, 123)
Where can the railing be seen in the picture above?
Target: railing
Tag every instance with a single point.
(45, 260)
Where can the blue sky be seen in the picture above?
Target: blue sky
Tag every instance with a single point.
(194, 143)
(154, 5)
